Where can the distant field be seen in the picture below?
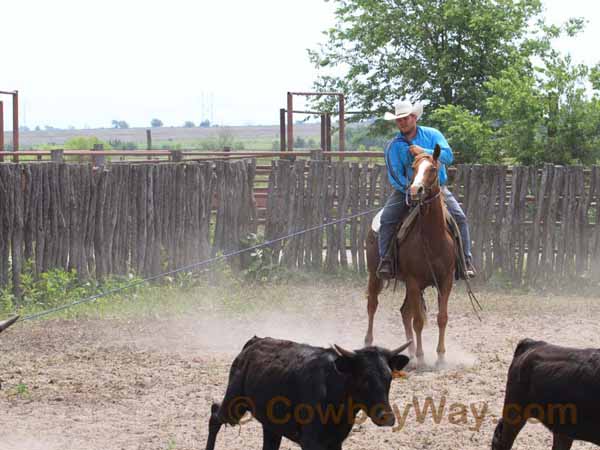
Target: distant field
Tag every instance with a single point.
(253, 137)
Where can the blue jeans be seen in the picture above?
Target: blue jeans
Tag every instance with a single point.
(393, 211)
(395, 208)
(461, 220)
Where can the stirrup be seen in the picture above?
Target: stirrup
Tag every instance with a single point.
(470, 271)
(385, 270)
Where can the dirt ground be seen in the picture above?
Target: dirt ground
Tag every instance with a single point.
(148, 383)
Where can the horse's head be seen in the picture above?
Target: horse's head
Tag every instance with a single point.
(425, 182)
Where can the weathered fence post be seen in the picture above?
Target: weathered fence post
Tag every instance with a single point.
(175, 156)
(328, 132)
(57, 155)
(98, 160)
(316, 155)
(16, 126)
(1, 130)
(149, 139)
(282, 144)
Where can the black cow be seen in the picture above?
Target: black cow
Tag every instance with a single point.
(7, 323)
(559, 386)
(310, 395)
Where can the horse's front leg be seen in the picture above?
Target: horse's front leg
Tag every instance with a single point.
(442, 318)
(407, 315)
(373, 290)
(415, 303)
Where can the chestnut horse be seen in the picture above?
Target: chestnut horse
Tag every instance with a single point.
(426, 257)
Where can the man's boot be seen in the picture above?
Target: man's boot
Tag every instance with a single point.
(385, 270)
(470, 269)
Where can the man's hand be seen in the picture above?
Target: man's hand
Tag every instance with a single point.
(415, 150)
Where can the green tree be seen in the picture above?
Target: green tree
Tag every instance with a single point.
(545, 116)
(497, 87)
(440, 50)
(119, 124)
(467, 133)
(188, 124)
(156, 123)
(299, 142)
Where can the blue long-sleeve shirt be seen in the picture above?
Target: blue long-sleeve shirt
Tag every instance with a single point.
(399, 159)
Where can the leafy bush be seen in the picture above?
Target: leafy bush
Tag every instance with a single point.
(84, 143)
(118, 144)
(54, 288)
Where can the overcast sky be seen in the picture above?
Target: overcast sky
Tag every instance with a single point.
(84, 63)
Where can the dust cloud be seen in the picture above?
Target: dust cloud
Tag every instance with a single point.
(310, 317)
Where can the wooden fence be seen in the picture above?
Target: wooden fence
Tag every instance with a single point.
(528, 226)
(120, 219)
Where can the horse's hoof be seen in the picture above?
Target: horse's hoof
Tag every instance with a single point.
(419, 363)
(441, 363)
(412, 365)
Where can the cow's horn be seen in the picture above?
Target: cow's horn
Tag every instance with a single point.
(401, 348)
(7, 323)
(343, 352)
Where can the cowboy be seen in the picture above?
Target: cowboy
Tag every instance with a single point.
(400, 154)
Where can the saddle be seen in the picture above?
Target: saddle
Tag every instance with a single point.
(405, 226)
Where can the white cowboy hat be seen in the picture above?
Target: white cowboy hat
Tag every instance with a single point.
(405, 108)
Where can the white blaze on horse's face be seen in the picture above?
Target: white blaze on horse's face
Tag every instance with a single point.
(418, 185)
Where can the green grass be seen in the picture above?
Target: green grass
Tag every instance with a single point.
(216, 290)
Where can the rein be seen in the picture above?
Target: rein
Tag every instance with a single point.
(420, 203)
(427, 253)
(425, 244)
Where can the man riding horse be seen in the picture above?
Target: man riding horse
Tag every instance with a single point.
(400, 155)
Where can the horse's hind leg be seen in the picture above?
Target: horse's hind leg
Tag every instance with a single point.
(373, 290)
(375, 284)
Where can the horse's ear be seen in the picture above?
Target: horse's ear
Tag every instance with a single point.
(436, 152)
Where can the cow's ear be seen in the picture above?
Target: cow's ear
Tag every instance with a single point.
(343, 364)
(398, 362)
